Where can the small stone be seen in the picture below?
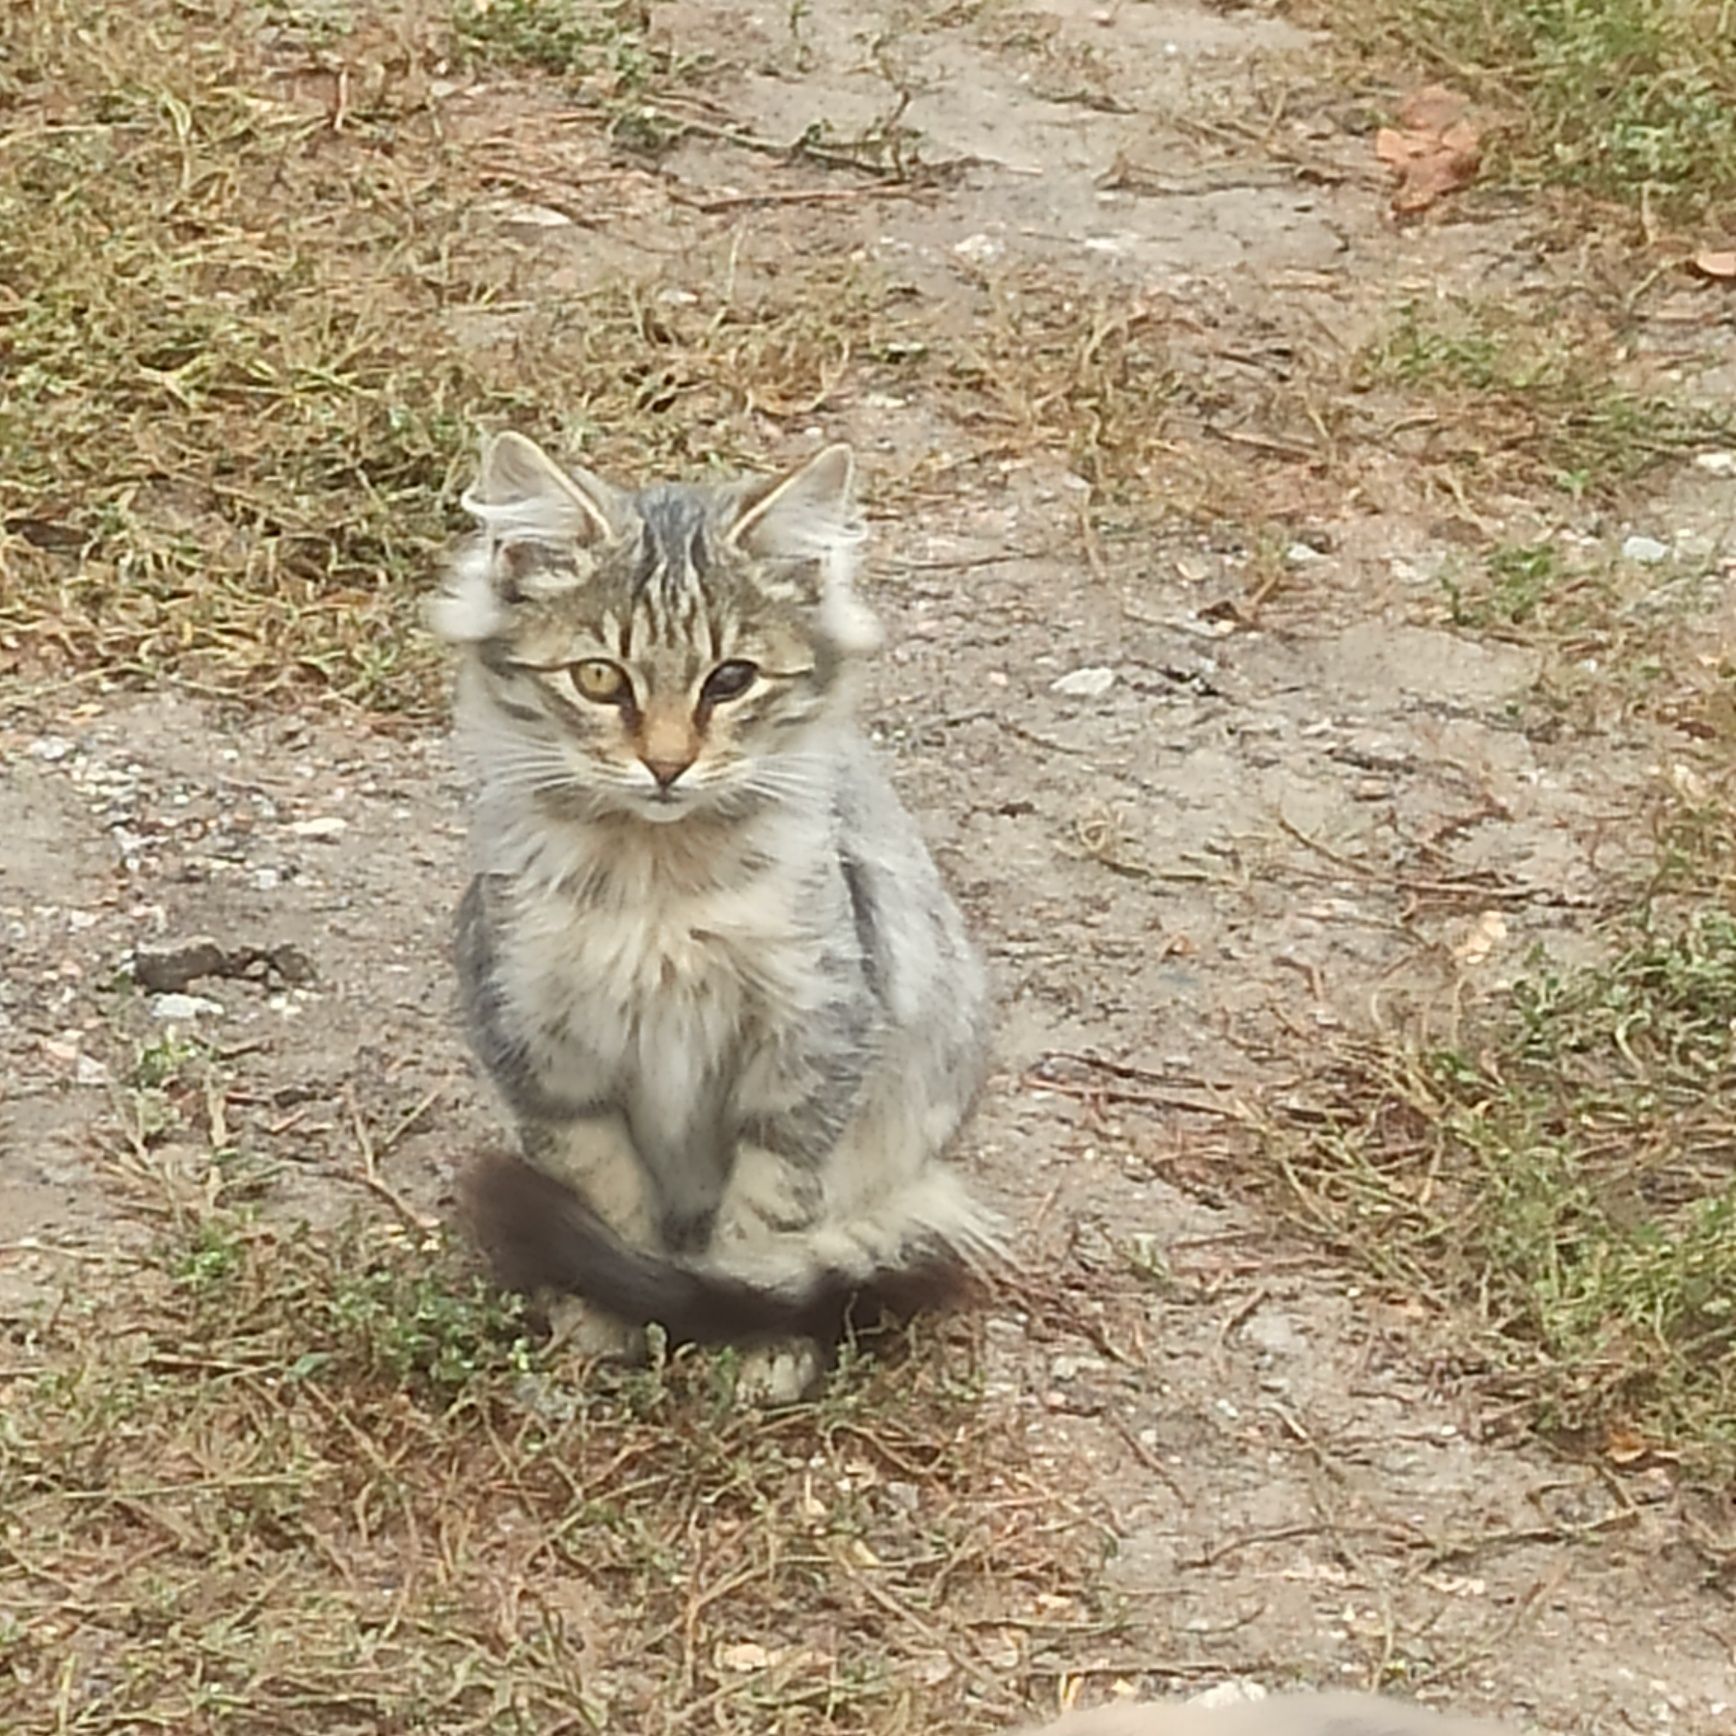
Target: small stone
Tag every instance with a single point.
(1647, 550)
(980, 249)
(87, 1070)
(325, 826)
(743, 1657)
(535, 216)
(1091, 682)
(184, 1007)
(1235, 1692)
(167, 969)
(1716, 463)
(1299, 554)
(51, 748)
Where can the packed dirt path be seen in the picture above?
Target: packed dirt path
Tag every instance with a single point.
(1196, 837)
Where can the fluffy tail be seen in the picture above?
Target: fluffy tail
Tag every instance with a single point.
(928, 1250)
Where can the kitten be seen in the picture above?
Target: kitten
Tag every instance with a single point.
(1276, 1715)
(706, 958)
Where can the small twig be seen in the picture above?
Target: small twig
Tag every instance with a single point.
(1149, 1459)
(1391, 877)
(1088, 536)
(1277, 1534)
(783, 196)
(1036, 1079)
(964, 563)
(1049, 742)
(989, 1684)
(1240, 1315)
(372, 1153)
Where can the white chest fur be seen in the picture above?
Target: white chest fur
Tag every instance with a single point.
(647, 989)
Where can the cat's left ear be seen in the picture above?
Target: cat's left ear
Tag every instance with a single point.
(806, 513)
(809, 514)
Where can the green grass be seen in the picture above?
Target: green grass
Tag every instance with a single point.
(1522, 581)
(249, 358)
(1522, 394)
(563, 36)
(1628, 100)
(1564, 1171)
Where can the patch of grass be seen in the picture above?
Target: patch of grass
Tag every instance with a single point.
(1566, 1170)
(1522, 580)
(1517, 394)
(1616, 638)
(1086, 378)
(234, 417)
(328, 1483)
(1632, 100)
(258, 307)
(606, 42)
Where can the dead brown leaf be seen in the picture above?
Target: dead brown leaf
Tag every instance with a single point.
(1432, 109)
(1435, 150)
(1623, 1446)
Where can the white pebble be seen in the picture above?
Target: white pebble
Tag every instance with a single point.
(1647, 550)
(184, 1007)
(1092, 682)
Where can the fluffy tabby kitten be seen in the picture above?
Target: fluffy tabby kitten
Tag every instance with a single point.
(1276, 1715)
(706, 958)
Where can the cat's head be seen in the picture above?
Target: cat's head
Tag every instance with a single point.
(663, 653)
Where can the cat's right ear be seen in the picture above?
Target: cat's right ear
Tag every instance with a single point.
(537, 520)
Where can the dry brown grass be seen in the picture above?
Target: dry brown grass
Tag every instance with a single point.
(260, 301)
(324, 1483)
(1555, 1171)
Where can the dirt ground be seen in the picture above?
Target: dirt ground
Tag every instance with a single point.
(1258, 824)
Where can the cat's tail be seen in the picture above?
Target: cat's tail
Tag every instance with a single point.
(928, 1248)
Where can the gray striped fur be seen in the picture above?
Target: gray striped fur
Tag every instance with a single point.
(736, 1014)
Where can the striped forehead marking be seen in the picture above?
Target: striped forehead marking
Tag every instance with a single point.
(670, 601)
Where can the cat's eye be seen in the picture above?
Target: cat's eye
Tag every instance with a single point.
(729, 681)
(600, 681)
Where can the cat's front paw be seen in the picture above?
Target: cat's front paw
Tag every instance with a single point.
(579, 1329)
(779, 1373)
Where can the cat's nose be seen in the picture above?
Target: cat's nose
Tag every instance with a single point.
(666, 771)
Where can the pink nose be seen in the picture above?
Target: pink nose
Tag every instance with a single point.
(666, 771)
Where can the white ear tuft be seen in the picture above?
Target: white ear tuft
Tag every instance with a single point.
(808, 512)
(469, 608)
